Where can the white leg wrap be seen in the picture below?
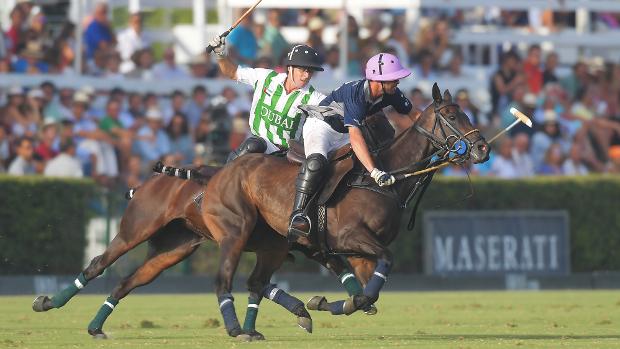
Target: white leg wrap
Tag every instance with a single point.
(381, 275)
(273, 293)
(224, 302)
(109, 304)
(346, 276)
(78, 284)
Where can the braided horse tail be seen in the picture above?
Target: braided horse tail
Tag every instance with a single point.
(183, 173)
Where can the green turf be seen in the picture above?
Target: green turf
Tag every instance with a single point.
(563, 319)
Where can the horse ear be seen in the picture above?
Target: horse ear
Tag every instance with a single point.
(447, 96)
(436, 93)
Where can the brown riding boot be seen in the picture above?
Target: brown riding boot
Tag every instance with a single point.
(308, 181)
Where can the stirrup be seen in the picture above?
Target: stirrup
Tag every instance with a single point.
(293, 232)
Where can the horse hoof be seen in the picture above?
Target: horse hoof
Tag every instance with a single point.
(244, 337)
(97, 333)
(305, 323)
(371, 310)
(252, 336)
(235, 332)
(42, 303)
(317, 303)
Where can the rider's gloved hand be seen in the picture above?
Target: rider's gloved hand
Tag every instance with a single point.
(382, 178)
(219, 46)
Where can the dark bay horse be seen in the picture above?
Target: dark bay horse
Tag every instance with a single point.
(245, 206)
(361, 222)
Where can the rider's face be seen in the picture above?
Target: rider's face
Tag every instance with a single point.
(302, 75)
(390, 86)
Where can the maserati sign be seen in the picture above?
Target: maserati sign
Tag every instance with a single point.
(496, 242)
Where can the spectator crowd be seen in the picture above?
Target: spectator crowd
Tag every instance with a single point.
(114, 136)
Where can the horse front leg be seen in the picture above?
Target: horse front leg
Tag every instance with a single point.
(376, 281)
(339, 268)
(134, 229)
(170, 246)
(365, 244)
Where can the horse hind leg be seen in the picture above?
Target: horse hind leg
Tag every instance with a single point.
(267, 262)
(132, 232)
(170, 246)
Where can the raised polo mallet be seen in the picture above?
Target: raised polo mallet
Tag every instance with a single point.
(520, 118)
(245, 14)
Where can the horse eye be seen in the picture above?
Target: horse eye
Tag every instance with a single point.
(452, 117)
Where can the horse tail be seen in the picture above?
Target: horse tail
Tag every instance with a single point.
(183, 173)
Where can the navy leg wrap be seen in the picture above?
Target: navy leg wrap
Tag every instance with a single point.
(227, 307)
(289, 302)
(336, 308)
(377, 279)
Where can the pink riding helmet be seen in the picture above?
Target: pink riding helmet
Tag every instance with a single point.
(385, 67)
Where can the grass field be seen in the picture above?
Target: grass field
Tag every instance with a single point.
(562, 319)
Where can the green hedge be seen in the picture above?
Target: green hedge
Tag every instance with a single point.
(42, 221)
(43, 224)
(592, 203)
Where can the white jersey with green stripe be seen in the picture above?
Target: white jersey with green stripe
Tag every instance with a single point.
(274, 115)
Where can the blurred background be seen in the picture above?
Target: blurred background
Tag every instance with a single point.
(544, 205)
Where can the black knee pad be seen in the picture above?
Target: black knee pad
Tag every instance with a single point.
(312, 173)
(251, 145)
(255, 145)
(315, 162)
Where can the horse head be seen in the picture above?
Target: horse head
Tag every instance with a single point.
(449, 129)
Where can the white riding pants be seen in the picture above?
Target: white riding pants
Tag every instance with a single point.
(320, 138)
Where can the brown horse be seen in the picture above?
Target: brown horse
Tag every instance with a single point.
(245, 206)
(166, 212)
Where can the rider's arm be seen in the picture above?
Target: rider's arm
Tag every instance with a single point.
(227, 67)
(360, 148)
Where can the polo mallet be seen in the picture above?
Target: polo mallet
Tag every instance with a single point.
(520, 118)
(245, 14)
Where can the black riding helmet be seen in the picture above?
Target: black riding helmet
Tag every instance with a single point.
(304, 56)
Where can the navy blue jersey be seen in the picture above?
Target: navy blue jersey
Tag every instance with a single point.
(354, 98)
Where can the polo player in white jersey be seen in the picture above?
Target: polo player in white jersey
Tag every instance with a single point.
(274, 117)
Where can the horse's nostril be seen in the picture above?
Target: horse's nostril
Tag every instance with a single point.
(482, 147)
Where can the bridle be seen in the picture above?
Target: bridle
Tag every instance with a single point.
(454, 148)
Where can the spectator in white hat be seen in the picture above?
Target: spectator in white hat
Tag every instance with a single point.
(152, 141)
